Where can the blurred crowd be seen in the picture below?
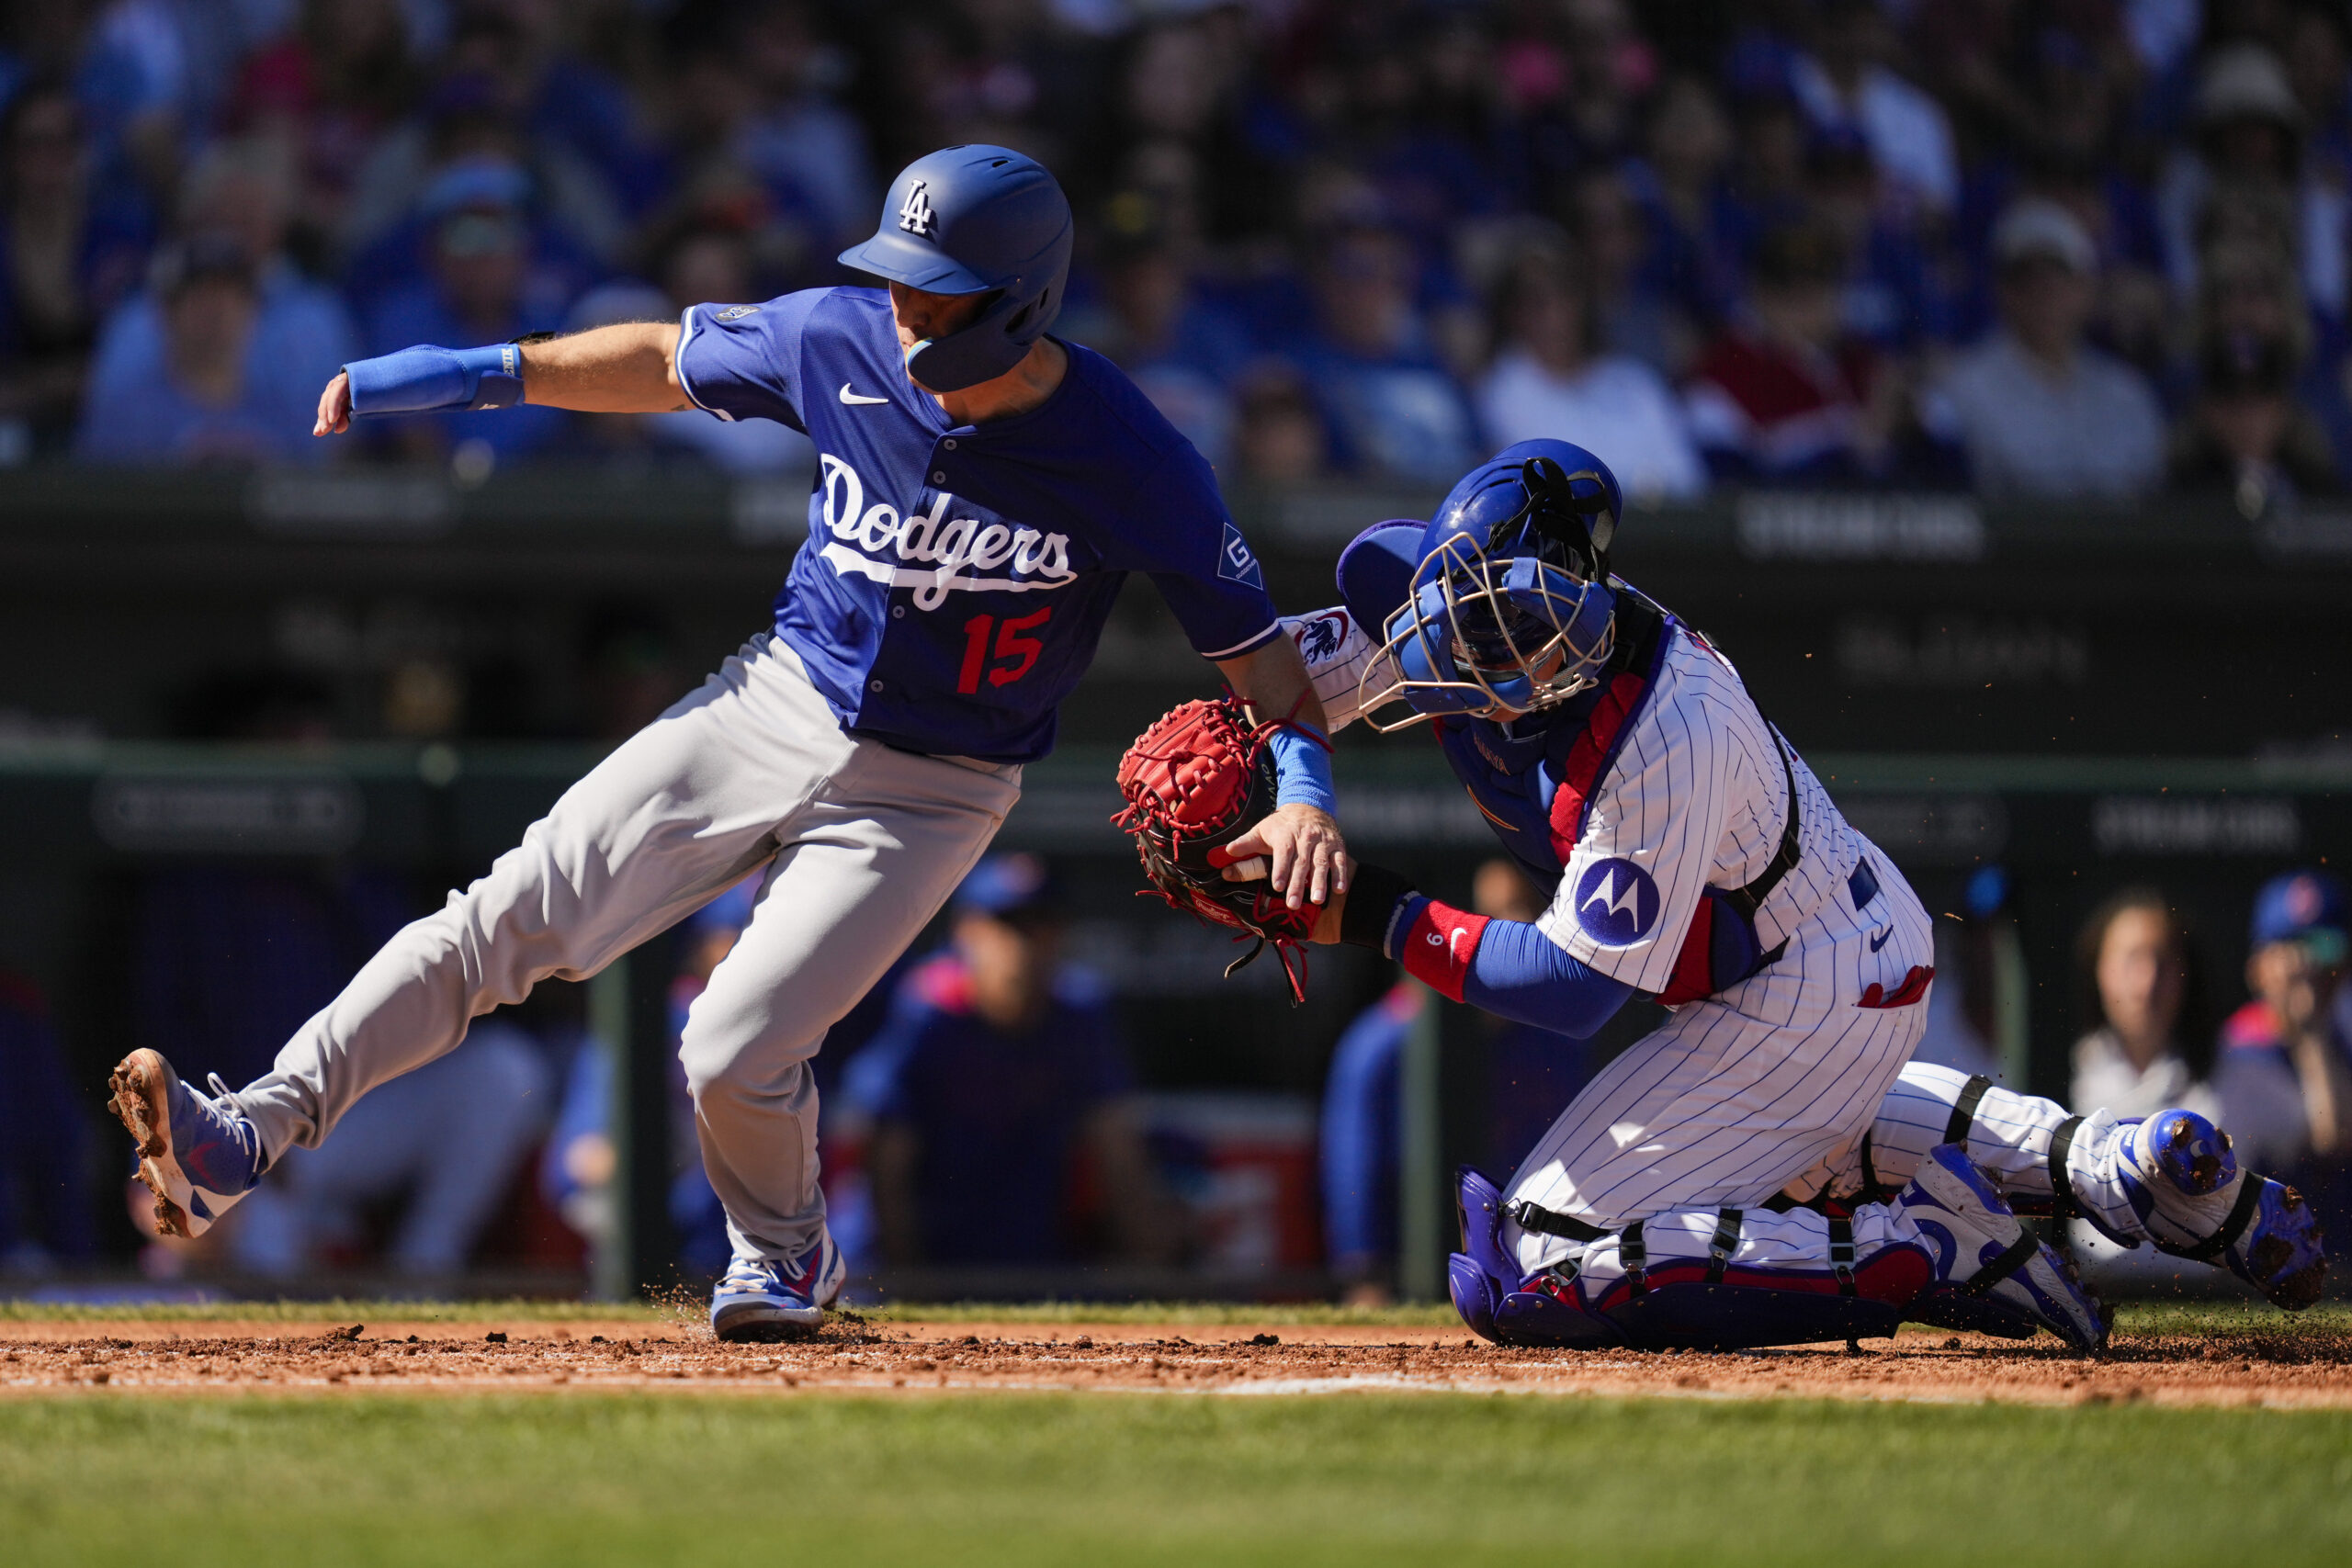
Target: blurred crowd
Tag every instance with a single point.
(2077, 248)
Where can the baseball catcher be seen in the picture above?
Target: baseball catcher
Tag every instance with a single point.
(1769, 1167)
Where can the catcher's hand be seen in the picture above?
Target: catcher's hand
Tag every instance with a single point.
(1298, 849)
(1200, 791)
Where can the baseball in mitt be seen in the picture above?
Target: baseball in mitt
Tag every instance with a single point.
(1195, 781)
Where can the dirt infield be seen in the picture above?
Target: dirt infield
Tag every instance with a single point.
(2283, 1367)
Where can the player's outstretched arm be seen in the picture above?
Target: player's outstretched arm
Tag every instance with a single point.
(1300, 841)
(627, 369)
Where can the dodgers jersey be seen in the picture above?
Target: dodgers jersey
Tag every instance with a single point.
(1628, 801)
(957, 577)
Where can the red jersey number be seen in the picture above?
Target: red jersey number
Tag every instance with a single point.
(1015, 655)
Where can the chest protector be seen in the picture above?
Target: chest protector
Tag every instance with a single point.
(1533, 783)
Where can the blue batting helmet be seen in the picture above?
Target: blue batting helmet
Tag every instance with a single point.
(1509, 608)
(973, 219)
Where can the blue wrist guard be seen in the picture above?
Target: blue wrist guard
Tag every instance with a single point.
(428, 378)
(1302, 769)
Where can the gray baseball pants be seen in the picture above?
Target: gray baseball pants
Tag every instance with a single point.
(862, 842)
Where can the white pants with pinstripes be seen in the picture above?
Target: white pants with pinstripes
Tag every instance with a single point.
(1721, 1109)
(1767, 1088)
(2009, 1138)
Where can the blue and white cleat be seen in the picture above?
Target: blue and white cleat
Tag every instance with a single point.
(1991, 1273)
(196, 1152)
(2185, 1184)
(760, 1301)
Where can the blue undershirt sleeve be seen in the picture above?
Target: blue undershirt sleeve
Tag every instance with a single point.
(1303, 769)
(1520, 974)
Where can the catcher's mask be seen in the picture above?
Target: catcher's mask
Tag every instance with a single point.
(1509, 609)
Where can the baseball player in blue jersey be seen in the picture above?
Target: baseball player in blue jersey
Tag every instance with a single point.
(1765, 1168)
(983, 490)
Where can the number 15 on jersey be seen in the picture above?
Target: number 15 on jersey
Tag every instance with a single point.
(1016, 653)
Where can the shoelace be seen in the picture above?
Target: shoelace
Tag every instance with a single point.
(225, 1110)
(751, 1274)
(766, 1273)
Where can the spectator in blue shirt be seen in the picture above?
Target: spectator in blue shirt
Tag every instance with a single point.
(198, 390)
(1393, 408)
(1892, 296)
(999, 1074)
(2285, 1069)
(1693, 220)
(506, 94)
(484, 286)
(237, 196)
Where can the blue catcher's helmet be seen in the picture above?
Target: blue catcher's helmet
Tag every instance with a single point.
(973, 219)
(1509, 608)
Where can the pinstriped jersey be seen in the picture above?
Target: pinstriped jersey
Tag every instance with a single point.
(1632, 799)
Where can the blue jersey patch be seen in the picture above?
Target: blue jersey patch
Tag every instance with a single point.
(1616, 902)
(1234, 563)
(956, 578)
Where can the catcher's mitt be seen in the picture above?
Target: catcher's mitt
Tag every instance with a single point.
(1193, 782)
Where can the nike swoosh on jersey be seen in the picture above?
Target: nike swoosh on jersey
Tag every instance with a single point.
(1878, 938)
(853, 399)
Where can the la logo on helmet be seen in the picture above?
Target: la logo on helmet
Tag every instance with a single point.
(914, 213)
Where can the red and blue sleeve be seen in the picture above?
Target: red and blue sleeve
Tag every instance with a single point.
(1505, 968)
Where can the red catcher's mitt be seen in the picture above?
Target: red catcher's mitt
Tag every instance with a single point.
(1195, 782)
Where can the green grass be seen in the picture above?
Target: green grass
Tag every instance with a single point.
(1044, 1479)
(2329, 1319)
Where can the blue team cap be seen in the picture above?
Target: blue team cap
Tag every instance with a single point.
(2303, 906)
(730, 911)
(1009, 885)
(479, 180)
(1987, 891)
